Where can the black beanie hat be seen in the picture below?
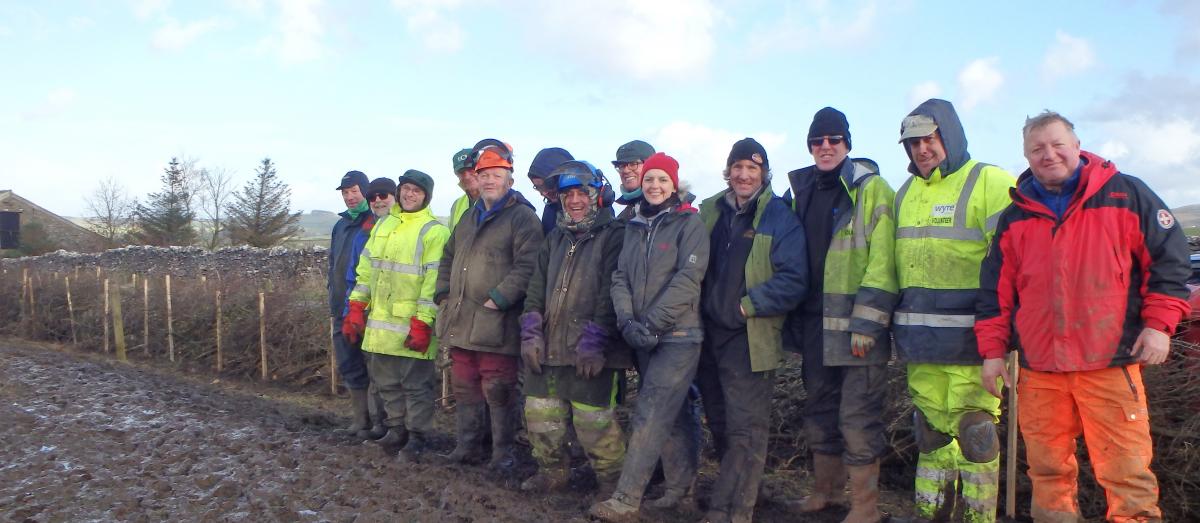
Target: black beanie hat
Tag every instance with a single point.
(749, 149)
(830, 122)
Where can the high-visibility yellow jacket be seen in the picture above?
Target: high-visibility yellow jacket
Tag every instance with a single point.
(397, 275)
(943, 226)
(460, 207)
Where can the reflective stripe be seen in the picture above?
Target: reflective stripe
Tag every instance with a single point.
(965, 321)
(391, 266)
(362, 287)
(426, 303)
(985, 479)
(936, 475)
(992, 221)
(431, 266)
(387, 326)
(958, 230)
(871, 314)
(421, 241)
(546, 427)
(366, 252)
(835, 324)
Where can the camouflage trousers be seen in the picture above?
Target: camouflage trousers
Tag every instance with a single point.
(556, 399)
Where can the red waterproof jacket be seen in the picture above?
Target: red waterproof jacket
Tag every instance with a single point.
(1077, 291)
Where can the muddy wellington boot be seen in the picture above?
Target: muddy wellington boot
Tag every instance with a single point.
(829, 485)
(469, 429)
(359, 414)
(548, 479)
(414, 449)
(864, 494)
(504, 432)
(393, 440)
(375, 408)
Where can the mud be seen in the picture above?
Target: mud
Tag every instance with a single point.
(84, 438)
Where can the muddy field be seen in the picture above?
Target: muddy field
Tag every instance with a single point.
(83, 438)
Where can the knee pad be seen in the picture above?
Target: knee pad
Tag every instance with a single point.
(928, 438)
(978, 438)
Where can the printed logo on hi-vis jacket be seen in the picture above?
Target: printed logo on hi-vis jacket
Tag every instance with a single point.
(1165, 219)
(942, 214)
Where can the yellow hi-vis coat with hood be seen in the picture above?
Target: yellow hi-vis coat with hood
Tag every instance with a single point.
(458, 209)
(860, 271)
(943, 226)
(397, 275)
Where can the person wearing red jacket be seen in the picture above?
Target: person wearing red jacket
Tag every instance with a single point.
(1087, 269)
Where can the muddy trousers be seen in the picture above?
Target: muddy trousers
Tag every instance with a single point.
(547, 419)
(351, 363)
(1106, 406)
(660, 424)
(944, 393)
(406, 386)
(487, 377)
(843, 410)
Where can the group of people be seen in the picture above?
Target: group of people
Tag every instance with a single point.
(1076, 264)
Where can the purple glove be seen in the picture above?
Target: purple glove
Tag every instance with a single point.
(589, 352)
(533, 342)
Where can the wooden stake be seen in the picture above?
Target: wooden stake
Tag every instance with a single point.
(76, 273)
(118, 323)
(1010, 484)
(32, 303)
(97, 273)
(105, 319)
(71, 310)
(220, 360)
(145, 315)
(25, 302)
(332, 359)
(262, 332)
(170, 324)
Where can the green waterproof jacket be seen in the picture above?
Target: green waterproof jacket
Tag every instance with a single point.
(860, 289)
(776, 274)
(396, 277)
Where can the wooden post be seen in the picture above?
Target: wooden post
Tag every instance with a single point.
(118, 323)
(104, 320)
(220, 360)
(1010, 483)
(76, 273)
(332, 359)
(262, 332)
(97, 273)
(32, 304)
(25, 303)
(70, 310)
(145, 315)
(170, 326)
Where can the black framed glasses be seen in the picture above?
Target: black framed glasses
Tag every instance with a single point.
(833, 140)
(378, 196)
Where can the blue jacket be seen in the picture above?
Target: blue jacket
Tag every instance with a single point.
(341, 258)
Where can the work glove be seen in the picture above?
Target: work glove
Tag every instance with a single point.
(638, 336)
(860, 344)
(533, 342)
(419, 333)
(355, 322)
(589, 352)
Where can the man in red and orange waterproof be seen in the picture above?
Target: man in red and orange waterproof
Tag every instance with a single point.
(1087, 268)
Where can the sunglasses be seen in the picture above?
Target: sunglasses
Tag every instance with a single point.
(833, 140)
(378, 196)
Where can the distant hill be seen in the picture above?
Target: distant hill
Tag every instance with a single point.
(1188, 215)
(317, 224)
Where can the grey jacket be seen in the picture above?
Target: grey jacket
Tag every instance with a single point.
(658, 275)
(489, 259)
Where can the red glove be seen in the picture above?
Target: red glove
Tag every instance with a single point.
(355, 322)
(418, 335)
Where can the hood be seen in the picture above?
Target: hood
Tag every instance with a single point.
(951, 131)
(1094, 172)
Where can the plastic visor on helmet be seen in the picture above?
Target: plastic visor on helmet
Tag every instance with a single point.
(577, 173)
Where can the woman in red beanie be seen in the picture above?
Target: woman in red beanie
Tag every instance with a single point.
(656, 294)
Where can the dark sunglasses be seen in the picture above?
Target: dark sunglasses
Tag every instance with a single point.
(378, 196)
(833, 140)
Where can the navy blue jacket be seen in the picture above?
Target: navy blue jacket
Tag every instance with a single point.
(341, 257)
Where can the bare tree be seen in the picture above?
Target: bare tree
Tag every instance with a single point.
(213, 192)
(111, 210)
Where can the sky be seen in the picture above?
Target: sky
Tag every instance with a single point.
(95, 89)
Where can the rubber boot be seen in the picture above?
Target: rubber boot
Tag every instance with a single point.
(670, 499)
(469, 431)
(616, 509)
(504, 431)
(359, 413)
(829, 484)
(375, 408)
(412, 451)
(548, 479)
(393, 440)
(864, 494)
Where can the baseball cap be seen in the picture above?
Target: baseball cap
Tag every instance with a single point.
(917, 126)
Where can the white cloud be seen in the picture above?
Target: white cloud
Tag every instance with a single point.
(815, 25)
(659, 40)
(1185, 13)
(701, 152)
(144, 9)
(923, 91)
(299, 32)
(56, 102)
(173, 35)
(979, 81)
(428, 21)
(1113, 150)
(1068, 56)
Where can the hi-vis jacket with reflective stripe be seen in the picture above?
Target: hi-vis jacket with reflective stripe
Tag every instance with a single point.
(860, 287)
(460, 207)
(776, 274)
(397, 275)
(943, 226)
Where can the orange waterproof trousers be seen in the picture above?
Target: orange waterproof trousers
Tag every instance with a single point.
(1106, 406)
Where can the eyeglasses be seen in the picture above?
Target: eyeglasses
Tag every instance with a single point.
(629, 166)
(833, 140)
(378, 196)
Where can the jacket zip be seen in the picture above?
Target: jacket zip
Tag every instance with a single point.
(568, 268)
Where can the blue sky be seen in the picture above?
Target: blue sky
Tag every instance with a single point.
(97, 89)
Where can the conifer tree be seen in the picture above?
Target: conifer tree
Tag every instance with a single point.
(260, 214)
(166, 216)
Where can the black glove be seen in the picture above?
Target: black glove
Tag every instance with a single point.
(638, 336)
